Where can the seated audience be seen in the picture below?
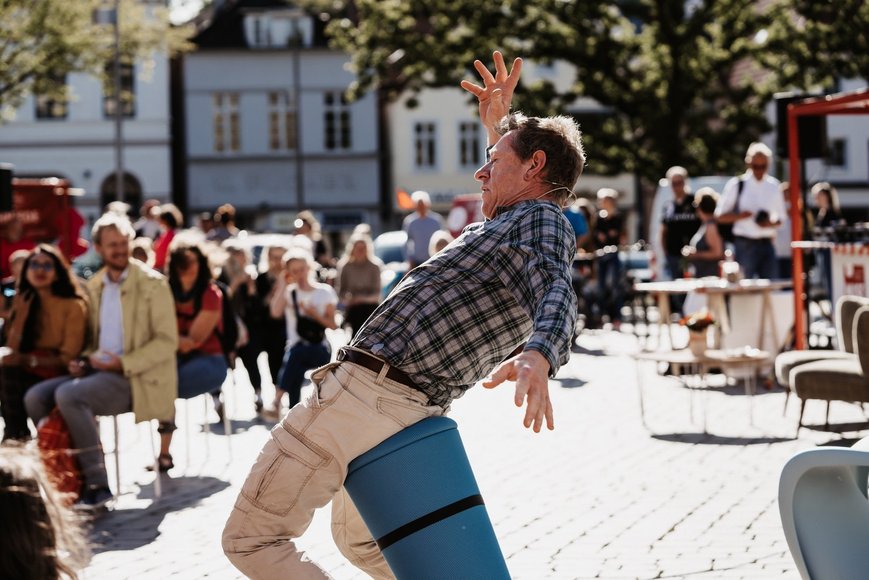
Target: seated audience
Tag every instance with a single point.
(46, 331)
(198, 312)
(129, 364)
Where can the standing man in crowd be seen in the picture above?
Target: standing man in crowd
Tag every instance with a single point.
(130, 365)
(496, 304)
(420, 226)
(679, 222)
(753, 203)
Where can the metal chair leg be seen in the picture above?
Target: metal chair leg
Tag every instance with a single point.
(158, 484)
(800, 420)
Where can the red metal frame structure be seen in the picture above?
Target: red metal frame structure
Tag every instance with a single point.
(852, 103)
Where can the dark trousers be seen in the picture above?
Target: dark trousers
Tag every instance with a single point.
(14, 383)
(356, 316)
(609, 285)
(301, 357)
(756, 257)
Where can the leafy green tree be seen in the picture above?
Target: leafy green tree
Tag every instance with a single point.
(42, 41)
(675, 78)
(812, 43)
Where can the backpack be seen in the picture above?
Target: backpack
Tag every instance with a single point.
(234, 334)
(58, 455)
(726, 230)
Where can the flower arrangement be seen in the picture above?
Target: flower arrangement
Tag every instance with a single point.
(698, 321)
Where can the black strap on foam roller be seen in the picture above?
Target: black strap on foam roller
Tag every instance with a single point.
(429, 519)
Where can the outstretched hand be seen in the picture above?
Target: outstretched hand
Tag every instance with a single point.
(496, 94)
(530, 371)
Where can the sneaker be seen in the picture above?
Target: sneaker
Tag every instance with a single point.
(94, 498)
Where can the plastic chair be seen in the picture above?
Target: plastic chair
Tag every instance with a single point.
(227, 427)
(116, 452)
(825, 511)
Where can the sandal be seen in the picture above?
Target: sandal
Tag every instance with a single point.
(164, 463)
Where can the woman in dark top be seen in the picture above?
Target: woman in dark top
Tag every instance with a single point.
(706, 248)
(827, 199)
(609, 234)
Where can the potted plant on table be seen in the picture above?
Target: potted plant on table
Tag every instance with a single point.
(698, 324)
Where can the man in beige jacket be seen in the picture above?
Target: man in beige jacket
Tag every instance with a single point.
(129, 364)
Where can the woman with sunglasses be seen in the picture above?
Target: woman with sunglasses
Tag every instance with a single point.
(199, 314)
(46, 331)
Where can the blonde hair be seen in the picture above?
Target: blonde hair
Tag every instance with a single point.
(110, 220)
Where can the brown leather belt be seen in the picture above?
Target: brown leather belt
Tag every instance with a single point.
(375, 365)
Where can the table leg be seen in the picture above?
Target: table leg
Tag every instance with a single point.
(640, 392)
(664, 314)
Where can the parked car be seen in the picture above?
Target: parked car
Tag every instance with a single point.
(390, 247)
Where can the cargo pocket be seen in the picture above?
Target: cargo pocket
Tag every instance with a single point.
(404, 413)
(282, 472)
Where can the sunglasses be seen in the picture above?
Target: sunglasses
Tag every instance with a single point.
(44, 266)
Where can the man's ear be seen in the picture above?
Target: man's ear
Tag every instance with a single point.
(538, 162)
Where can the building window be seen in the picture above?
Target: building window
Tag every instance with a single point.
(53, 106)
(838, 153)
(226, 123)
(425, 145)
(337, 120)
(282, 121)
(469, 145)
(128, 91)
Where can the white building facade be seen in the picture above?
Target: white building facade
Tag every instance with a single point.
(267, 127)
(439, 144)
(76, 140)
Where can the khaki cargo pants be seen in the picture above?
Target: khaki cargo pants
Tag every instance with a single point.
(303, 466)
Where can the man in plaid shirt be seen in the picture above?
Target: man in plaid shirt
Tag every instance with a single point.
(496, 304)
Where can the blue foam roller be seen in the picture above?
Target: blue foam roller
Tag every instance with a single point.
(420, 501)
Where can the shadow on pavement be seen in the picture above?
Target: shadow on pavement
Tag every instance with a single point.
(128, 529)
(577, 349)
(570, 383)
(710, 439)
(245, 425)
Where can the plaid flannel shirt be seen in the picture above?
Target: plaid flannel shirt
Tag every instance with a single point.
(501, 283)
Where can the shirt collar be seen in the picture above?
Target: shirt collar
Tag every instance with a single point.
(124, 274)
(507, 209)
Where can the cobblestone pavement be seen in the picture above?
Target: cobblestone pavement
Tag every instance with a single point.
(602, 496)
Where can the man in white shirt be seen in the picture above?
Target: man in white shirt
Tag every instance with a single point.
(753, 203)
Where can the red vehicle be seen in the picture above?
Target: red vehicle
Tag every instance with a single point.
(467, 209)
(42, 212)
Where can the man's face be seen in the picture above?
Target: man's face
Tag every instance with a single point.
(114, 249)
(759, 165)
(677, 183)
(501, 178)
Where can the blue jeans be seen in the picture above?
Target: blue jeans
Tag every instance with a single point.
(301, 357)
(609, 285)
(201, 374)
(756, 258)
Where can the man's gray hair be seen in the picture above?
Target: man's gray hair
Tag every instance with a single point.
(559, 138)
(114, 221)
(757, 148)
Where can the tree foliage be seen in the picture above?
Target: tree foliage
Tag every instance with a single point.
(812, 43)
(41, 41)
(674, 77)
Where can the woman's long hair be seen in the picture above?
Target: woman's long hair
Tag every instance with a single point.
(179, 260)
(43, 538)
(64, 286)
